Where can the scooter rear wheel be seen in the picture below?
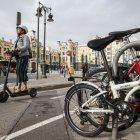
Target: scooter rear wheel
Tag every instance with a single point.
(3, 96)
(33, 92)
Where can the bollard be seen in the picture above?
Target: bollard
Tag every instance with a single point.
(114, 127)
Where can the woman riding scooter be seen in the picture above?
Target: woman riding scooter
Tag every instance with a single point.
(21, 45)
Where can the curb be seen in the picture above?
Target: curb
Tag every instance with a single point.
(51, 87)
(48, 87)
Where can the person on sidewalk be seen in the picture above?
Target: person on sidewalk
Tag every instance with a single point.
(21, 45)
(64, 72)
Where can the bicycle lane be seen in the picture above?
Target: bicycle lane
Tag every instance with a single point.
(42, 120)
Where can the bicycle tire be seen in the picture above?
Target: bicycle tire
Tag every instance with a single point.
(99, 128)
(122, 126)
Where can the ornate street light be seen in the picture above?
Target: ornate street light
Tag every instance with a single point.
(82, 58)
(50, 61)
(59, 59)
(39, 10)
(74, 61)
(50, 16)
(50, 19)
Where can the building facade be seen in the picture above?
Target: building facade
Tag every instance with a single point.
(68, 53)
(110, 52)
(4, 45)
(84, 55)
(52, 57)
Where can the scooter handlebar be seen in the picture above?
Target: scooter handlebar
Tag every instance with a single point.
(11, 51)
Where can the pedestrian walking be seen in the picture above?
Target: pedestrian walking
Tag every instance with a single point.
(84, 69)
(64, 72)
(22, 45)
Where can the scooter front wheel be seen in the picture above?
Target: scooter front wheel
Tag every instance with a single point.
(33, 92)
(3, 96)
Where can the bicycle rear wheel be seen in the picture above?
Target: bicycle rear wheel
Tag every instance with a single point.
(84, 123)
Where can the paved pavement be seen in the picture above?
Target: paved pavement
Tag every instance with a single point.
(53, 81)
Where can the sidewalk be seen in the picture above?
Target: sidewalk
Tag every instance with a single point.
(53, 81)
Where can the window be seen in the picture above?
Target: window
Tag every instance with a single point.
(108, 49)
(54, 58)
(63, 59)
(41, 56)
(108, 53)
(63, 53)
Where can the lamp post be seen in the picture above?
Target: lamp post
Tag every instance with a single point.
(74, 60)
(50, 62)
(38, 16)
(46, 9)
(82, 57)
(59, 60)
(86, 58)
(50, 19)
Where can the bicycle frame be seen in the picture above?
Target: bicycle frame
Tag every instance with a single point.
(135, 65)
(135, 85)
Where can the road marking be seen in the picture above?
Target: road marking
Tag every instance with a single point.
(30, 128)
(58, 97)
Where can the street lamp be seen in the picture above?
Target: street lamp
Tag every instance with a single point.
(59, 60)
(50, 19)
(39, 10)
(34, 32)
(74, 60)
(50, 62)
(86, 58)
(82, 57)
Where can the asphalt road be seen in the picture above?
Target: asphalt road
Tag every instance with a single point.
(42, 118)
(33, 111)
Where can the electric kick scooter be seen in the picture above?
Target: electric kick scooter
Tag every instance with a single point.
(4, 95)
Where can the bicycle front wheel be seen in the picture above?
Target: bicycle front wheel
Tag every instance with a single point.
(84, 123)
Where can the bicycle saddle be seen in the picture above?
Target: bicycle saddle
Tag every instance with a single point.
(101, 43)
(120, 34)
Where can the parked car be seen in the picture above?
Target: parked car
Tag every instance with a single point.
(91, 69)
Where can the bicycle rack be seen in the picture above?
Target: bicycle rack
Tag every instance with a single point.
(114, 128)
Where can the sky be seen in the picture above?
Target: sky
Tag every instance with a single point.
(79, 20)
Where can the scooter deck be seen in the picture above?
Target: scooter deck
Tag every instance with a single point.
(21, 93)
